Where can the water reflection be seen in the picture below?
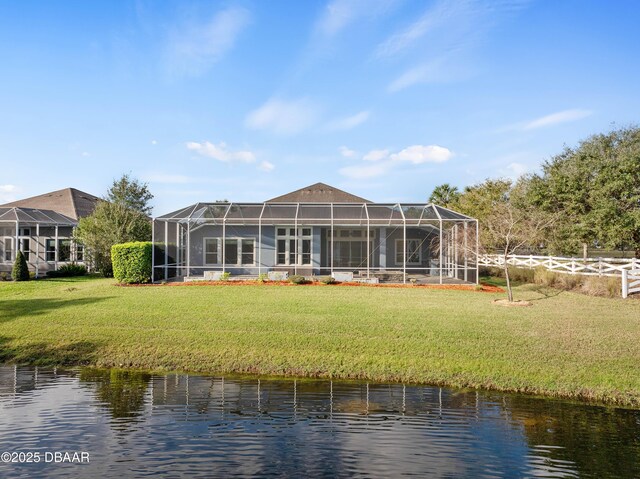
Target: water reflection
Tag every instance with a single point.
(136, 424)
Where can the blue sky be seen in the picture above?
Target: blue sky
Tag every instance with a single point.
(248, 100)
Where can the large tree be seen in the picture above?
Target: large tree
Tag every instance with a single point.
(120, 218)
(595, 188)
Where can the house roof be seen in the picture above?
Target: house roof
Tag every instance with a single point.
(69, 202)
(34, 216)
(318, 193)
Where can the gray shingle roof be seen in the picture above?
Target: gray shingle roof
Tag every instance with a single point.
(68, 202)
(318, 193)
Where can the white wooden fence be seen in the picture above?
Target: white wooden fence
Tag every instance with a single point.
(589, 266)
(630, 282)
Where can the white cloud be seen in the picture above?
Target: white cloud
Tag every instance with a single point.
(518, 169)
(380, 162)
(436, 71)
(340, 14)
(556, 118)
(283, 117)
(347, 152)
(221, 152)
(194, 47)
(154, 142)
(350, 121)
(434, 17)
(8, 193)
(266, 166)
(418, 154)
(86, 154)
(376, 155)
(365, 171)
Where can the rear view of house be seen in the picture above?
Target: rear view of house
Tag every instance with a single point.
(42, 228)
(317, 230)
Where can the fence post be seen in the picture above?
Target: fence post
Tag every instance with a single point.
(625, 283)
(600, 266)
(573, 266)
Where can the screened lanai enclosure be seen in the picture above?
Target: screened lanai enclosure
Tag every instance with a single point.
(366, 242)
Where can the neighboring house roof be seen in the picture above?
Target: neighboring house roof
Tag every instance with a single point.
(69, 202)
(33, 215)
(318, 193)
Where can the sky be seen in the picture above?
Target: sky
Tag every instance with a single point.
(249, 100)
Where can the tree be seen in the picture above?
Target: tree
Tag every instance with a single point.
(131, 193)
(121, 218)
(596, 189)
(20, 270)
(444, 195)
(507, 223)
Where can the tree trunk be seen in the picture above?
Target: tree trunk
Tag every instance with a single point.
(506, 276)
(584, 252)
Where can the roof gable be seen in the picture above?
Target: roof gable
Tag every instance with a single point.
(69, 202)
(318, 193)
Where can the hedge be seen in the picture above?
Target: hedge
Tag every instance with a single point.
(132, 262)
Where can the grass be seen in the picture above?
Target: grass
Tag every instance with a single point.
(566, 345)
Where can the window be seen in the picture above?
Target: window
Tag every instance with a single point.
(24, 244)
(247, 251)
(292, 249)
(231, 251)
(211, 250)
(414, 252)
(8, 249)
(25, 231)
(79, 252)
(50, 250)
(64, 250)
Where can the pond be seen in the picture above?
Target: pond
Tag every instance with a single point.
(134, 424)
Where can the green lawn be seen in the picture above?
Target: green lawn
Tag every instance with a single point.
(566, 345)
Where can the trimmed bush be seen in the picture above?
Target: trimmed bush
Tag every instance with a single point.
(68, 270)
(297, 279)
(132, 262)
(328, 280)
(20, 270)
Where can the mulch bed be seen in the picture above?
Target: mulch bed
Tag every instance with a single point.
(455, 287)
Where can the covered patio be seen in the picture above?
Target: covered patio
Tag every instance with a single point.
(368, 242)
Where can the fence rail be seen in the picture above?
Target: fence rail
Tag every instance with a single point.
(588, 266)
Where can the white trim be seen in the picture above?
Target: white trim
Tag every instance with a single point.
(204, 250)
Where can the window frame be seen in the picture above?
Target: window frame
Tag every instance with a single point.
(239, 241)
(298, 243)
(412, 263)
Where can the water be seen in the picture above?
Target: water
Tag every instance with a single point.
(135, 424)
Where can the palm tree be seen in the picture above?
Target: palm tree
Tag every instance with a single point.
(444, 195)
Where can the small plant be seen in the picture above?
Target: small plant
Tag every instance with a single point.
(328, 280)
(297, 279)
(225, 276)
(262, 278)
(4, 276)
(413, 281)
(68, 270)
(20, 270)
(478, 287)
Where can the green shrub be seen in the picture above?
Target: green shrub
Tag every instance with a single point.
(4, 276)
(297, 279)
(132, 262)
(68, 270)
(20, 270)
(225, 276)
(327, 280)
(263, 278)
